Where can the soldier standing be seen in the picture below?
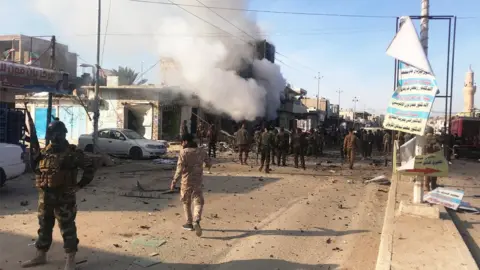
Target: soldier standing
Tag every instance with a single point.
(190, 171)
(349, 145)
(298, 143)
(321, 140)
(243, 143)
(273, 152)
(200, 132)
(212, 141)
(387, 142)
(312, 143)
(256, 138)
(282, 140)
(183, 128)
(371, 141)
(266, 142)
(56, 168)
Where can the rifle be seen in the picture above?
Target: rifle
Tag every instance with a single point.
(34, 144)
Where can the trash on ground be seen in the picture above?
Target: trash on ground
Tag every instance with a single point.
(168, 161)
(447, 197)
(80, 262)
(149, 242)
(379, 179)
(332, 171)
(144, 195)
(24, 203)
(466, 206)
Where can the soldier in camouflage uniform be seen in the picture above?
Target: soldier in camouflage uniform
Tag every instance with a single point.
(266, 143)
(56, 179)
(432, 145)
(320, 140)
(299, 142)
(349, 146)
(256, 137)
(281, 142)
(190, 171)
(273, 152)
(312, 143)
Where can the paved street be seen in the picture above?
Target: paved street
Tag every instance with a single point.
(289, 219)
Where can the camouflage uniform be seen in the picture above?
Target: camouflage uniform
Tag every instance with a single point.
(243, 143)
(273, 152)
(281, 142)
(56, 180)
(298, 142)
(257, 139)
(349, 145)
(190, 171)
(432, 145)
(320, 141)
(312, 143)
(266, 143)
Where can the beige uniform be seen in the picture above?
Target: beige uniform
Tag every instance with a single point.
(349, 145)
(190, 170)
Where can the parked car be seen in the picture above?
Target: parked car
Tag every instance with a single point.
(12, 162)
(123, 142)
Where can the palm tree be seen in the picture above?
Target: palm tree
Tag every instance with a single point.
(126, 75)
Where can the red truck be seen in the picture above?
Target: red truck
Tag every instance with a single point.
(466, 131)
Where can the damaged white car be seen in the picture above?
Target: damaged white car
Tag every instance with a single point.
(124, 142)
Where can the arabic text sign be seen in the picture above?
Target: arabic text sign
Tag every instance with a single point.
(410, 105)
(447, 197)
(430, 165)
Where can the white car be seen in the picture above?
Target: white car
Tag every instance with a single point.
(123, 142)
(12, 162)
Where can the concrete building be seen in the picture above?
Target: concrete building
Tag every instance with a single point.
(36, 51)
(469, 90)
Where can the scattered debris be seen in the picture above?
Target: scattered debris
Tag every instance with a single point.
(379, 179)
(329, 241)
(350, 182)
(466, 206)
(24, 203)
(337, 249)
(382, 190)
(255, 228)
(153, 254)
(147, 262)
(145, 227)
(332, 171)
(340, 206)
(149, 242)
(117, 245)
(80, 262)
(447, 197)
(166, 161)
(260, 179)
(214, 215)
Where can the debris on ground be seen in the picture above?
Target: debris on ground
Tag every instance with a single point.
(166, 161)
(332, 171)
(145, 227)
(329, 241)
(80, 262)
(149, 242)
(117, 245)
(450, 198)
(337, 249)
(382, 179)
(350, 182)
(24, 203)
(147, 262)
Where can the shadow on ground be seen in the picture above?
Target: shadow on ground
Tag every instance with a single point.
(247, 233)
(15, 249)
(105, 191)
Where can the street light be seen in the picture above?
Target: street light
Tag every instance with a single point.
(354, 100)
(318, 77)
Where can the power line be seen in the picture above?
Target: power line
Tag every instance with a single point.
(224, 19)
(272, 11)
(302, 65)
(106, 31)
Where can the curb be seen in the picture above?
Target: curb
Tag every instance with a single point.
(454, 227)
(385, 249)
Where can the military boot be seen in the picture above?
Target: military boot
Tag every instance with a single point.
(70, 262)
(39, 259)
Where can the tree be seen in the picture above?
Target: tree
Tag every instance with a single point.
(126, 75)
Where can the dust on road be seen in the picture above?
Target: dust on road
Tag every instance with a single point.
(321, 218)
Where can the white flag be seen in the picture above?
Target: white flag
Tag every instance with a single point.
(407, 48)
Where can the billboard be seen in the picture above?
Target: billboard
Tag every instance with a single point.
(33, 79)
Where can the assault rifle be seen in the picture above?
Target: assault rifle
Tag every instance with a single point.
(34, 144)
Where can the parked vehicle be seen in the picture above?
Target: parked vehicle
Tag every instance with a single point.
(123, 142)
(12, 162)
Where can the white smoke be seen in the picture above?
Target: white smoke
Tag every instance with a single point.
(207, 65)
(207, 57)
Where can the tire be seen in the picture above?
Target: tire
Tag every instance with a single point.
(136, 153)
(89, 148)
(3, 178)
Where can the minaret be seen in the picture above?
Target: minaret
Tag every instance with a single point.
(469, 90)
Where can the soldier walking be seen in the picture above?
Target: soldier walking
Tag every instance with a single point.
(266, 142)
(212, 141)
(190, 171)
(299, 142)
(56, 168)
(349, 145)
(282, 140)
(243, 143)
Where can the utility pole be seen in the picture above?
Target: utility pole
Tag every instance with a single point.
(355, 100)
(339, 93)
(96, 111)
(318, 77)
(50, 95)
(420, 140)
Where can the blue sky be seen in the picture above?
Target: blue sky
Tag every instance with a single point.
(349, 52)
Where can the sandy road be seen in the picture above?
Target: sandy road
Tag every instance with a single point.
(290, 219)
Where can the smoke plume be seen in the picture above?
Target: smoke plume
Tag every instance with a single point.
(207, 60)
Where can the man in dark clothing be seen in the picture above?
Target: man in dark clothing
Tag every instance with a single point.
(56, 167)
(282, 140)
(243, 143)
(312, 143)
(364, 144)
(212, 141)
(266, 142)
(273, 152)
(371, 140)
(299, 142)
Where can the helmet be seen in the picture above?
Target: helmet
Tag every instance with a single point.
(56, 131)
(429, 129)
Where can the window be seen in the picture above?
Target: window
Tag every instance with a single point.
(117, 135)
(104, 134)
